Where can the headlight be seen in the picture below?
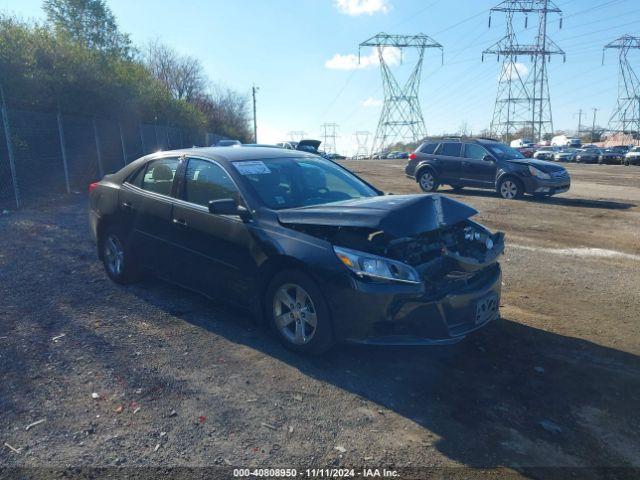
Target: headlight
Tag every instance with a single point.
(538, 173)
(365, 264)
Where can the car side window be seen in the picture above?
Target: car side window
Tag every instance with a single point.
(450, 149)
(159, 174)
(136, 177)
(206, 181)
(428, 148)
(472, 150)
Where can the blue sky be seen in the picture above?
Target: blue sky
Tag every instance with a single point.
(288, 48)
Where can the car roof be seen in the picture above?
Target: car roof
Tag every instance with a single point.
(223, 155)
(240, 153)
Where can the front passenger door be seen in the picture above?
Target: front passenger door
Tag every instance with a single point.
(476, 171)
(215, 249)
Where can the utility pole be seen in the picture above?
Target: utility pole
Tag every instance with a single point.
(579, 121)
(626, 116)
(254, 89)
(593, 125)
(401, 117)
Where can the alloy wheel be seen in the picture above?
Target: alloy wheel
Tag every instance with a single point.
(295, 314)
(114, 255)
(509, 189)
(427, 181)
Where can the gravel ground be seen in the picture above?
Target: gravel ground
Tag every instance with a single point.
(183, 381)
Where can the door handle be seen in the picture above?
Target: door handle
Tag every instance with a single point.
(465, 164)
(127, 205)
(180, 222)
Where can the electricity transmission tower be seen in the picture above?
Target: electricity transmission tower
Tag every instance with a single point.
(401, 117)
(362, 139)
(524, 103)
(329, 135)
(297, 135)
(626, 116)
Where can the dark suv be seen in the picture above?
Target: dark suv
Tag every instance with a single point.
(484, 163)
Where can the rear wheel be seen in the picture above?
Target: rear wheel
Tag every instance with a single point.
(298, 313)
(427, 180)
(117, 257)
(510, 188)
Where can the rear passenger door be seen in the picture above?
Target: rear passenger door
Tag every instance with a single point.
(447, 157)
(146, 203)
(476, 171)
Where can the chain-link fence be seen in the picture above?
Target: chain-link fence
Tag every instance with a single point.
(48, 153)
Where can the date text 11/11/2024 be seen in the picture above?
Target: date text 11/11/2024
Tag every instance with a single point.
(316, 473)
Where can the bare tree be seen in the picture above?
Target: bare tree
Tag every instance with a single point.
(182, 75)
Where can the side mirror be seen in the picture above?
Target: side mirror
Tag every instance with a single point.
(228, 206)
(488, 158)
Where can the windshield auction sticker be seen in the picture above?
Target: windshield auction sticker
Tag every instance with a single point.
(251, 168)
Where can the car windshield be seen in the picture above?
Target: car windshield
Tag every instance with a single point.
(503, 152)
(300, 182)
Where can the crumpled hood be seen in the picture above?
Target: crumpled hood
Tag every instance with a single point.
(396, 215)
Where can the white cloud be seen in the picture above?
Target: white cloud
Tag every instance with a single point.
(362, 7)
(391, 55)
(372, 102)
(510, 71)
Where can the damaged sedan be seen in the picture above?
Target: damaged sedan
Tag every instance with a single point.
(316, 252)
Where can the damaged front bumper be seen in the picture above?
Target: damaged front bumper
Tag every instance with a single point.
(378, 313)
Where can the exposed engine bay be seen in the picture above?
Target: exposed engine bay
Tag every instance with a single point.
(450, 256)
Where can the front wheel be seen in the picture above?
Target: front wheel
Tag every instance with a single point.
(510, 188)
(427, 181)
(298, 313)
(117, 257)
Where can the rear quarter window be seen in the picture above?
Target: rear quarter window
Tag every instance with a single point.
(428, 148)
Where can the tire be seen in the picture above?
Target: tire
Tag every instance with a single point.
(303, 303)
(510, 188)
(427, 180)
(117, 257)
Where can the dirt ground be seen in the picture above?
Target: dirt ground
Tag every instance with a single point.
(183, 381)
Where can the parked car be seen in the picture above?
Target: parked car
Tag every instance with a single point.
(316, 252)
(397, 155)
(565, 155)
(623, 149)
(228, 143)
(527, 152)
(610, 156)
(587, 155)
(484, 163)
(521, 143)
(545, 153)
(565, 141)
(632, 157)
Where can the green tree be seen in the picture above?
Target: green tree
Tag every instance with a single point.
(89, 22)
